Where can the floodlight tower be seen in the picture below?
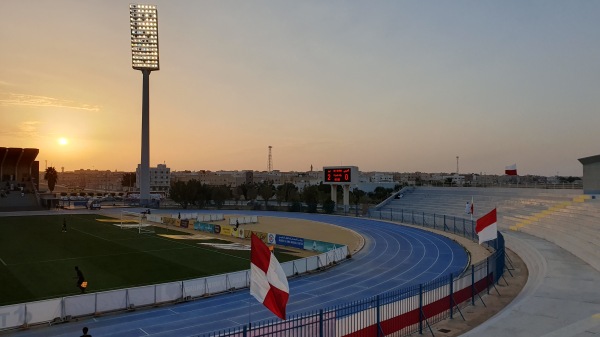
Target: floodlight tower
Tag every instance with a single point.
(143, 21)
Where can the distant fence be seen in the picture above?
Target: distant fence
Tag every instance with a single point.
(66, 308)
(398, 313)
(451, 224)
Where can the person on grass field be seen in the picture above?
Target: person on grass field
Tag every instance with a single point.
(80, 280)
(85, 332)
(64, 227)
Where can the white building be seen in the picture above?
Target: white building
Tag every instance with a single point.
(379, 177)
(160, 178)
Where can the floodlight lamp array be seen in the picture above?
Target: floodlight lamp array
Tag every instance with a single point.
(143, 21)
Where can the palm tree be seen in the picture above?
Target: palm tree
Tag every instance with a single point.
(52, 177)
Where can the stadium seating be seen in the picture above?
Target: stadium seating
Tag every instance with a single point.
(15, 201)
(566, 218)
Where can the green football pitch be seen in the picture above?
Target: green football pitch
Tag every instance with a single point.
(37, 259)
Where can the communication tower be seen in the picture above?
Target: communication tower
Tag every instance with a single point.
(270, 164)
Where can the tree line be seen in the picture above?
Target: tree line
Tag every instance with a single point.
(194, 193)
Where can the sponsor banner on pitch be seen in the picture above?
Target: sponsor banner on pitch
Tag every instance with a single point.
(262, 236)
(204, 227)
(289, 241)
(237, 232)
(267, 238)
(226, 230)
(170, 221)
(271, 238)
(319, 246)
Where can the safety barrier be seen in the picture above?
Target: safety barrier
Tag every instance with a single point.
(66, 308)
(243, 220)
(199, 216)
(451, 224)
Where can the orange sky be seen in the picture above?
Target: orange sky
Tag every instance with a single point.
(385, 86)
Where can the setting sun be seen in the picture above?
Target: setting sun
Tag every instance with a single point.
(63, 141)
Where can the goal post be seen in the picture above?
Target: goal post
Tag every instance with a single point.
(136, 221)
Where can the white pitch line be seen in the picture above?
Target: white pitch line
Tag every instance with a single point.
(4, 263)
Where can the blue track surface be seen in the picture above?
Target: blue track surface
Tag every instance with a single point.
(393, 257)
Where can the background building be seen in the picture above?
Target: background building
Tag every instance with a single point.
(160, 179)
(19, 167)
(591, 174)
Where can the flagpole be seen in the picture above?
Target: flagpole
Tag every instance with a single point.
(250, 292)
(472, 210)
(250, 313)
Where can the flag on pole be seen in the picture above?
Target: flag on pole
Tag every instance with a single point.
(511, 170)
(486, 227)
(268, 283)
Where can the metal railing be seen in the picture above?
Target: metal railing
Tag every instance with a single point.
(446, 223)
(496, 184)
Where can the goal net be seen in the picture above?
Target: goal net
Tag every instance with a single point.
(135, 221)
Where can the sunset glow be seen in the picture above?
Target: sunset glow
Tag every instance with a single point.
(395, 86)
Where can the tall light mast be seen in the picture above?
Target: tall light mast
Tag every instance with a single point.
(143, 21)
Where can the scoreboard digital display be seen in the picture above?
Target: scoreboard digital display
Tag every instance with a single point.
(338, 175)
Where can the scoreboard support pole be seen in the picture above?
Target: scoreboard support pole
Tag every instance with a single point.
(334, 194)
(346, 198)
(346, 189)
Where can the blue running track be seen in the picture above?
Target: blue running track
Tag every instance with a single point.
(393, 257)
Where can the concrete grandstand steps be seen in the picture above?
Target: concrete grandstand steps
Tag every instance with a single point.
(451, 201)
(578, 218)
(572, 225)
(581, 243)
(550, 210)
(517, 208)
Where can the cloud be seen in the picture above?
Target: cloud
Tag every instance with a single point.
(12, 99)
(27, 129)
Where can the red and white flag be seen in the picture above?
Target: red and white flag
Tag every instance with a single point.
(268, 283)
(486, 227)
(511, 170)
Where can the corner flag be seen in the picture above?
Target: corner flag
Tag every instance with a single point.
(268, 283)
(486, 227)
